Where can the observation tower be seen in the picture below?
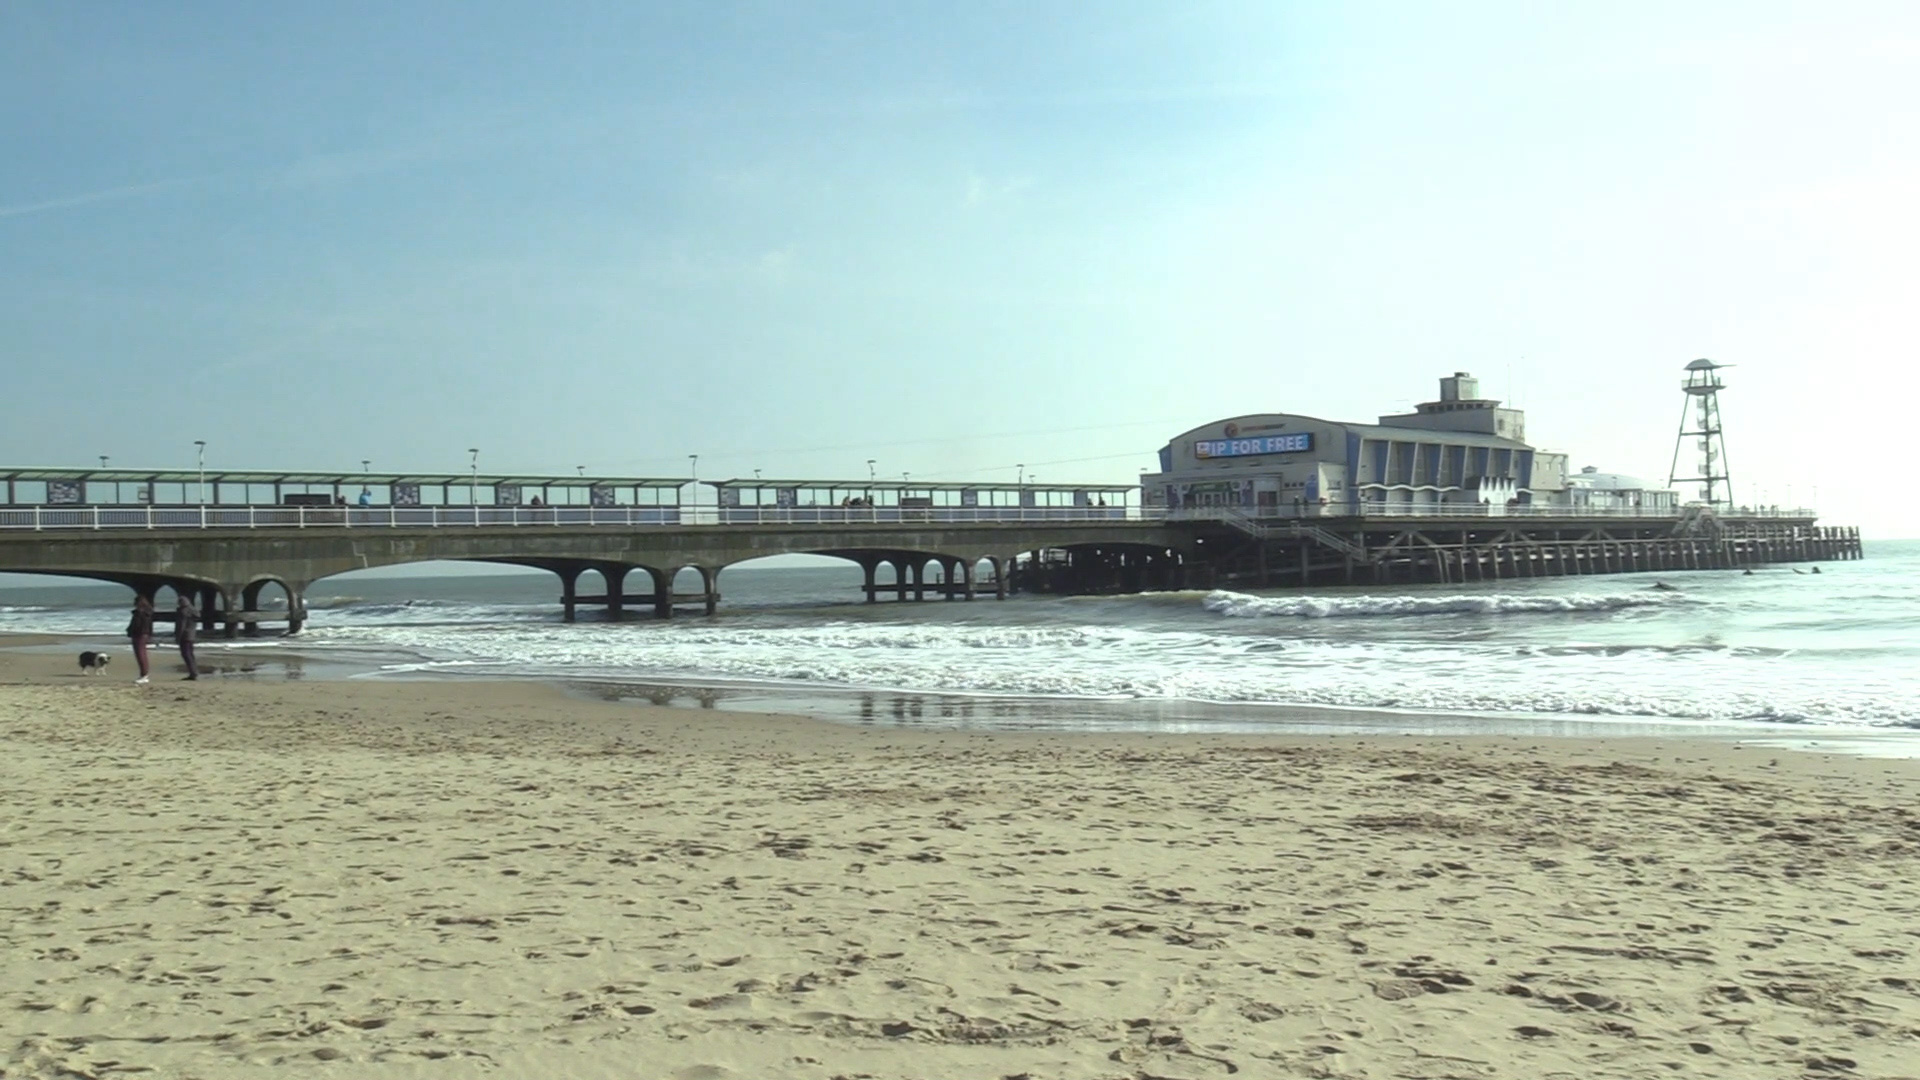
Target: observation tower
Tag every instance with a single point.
(1702, 411)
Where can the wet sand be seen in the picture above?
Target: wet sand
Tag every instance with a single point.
(373, 879)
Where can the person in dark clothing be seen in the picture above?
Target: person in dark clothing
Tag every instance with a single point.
(140, 633)
(185, 623)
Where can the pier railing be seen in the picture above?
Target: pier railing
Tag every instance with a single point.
(65, 518)
(1542, 510)
(1269, 515)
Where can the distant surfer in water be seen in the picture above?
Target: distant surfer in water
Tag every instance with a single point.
(1664, 587)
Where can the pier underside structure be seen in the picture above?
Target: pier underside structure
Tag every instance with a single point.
(1379, 551)
(231, 574)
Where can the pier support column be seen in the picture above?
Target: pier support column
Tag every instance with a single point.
(250, 606)
(615, 578)
(867, 568)
(569, 591)
(919, 578)
(710, 582)
(662, 592)
(900, 578)
(215, 603)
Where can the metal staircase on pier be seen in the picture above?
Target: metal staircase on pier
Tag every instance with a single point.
(1697, 520)
(1291, 530)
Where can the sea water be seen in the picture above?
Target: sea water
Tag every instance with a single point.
(1780, 646)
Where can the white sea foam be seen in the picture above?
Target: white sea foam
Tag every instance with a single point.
(1105, 662)
(1831, 650)
(1245, 606)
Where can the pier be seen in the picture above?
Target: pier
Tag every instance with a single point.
(621, 546)
(1448, 549)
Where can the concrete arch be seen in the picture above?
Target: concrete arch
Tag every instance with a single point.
(228, 561)
(141, 584)
(706, 579)
(213, 600)
(906, 569)
(250, 597)
(651, 586)
(949, 575)
(997, 567)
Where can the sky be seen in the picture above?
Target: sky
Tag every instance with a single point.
(955, 239)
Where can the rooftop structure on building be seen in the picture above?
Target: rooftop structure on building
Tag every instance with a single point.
(1460, 449)
(1592, 489)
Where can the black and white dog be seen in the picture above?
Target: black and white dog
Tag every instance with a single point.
(93, 663)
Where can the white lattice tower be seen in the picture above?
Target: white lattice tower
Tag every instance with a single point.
(1700, 424)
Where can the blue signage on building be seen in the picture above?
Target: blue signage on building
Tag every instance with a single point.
(1293, 443)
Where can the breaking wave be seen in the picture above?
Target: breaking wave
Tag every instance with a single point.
(1244, 606)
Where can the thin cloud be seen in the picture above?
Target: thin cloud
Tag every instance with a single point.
(105, 195)
(1091, 99)
(314, 170)
(981, 190)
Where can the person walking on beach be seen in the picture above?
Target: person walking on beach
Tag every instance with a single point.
(140, 633)
(184, 620)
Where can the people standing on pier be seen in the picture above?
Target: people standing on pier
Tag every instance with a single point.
(184, 618)
(140, 633)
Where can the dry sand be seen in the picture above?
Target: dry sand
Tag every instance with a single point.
(232, 879)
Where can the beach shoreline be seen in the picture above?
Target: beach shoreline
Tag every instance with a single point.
(48, 658)
(389, 878)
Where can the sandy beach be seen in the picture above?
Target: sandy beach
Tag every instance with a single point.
(446, 879)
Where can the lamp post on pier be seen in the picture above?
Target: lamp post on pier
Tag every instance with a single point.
(200, 449)
(473, 481)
